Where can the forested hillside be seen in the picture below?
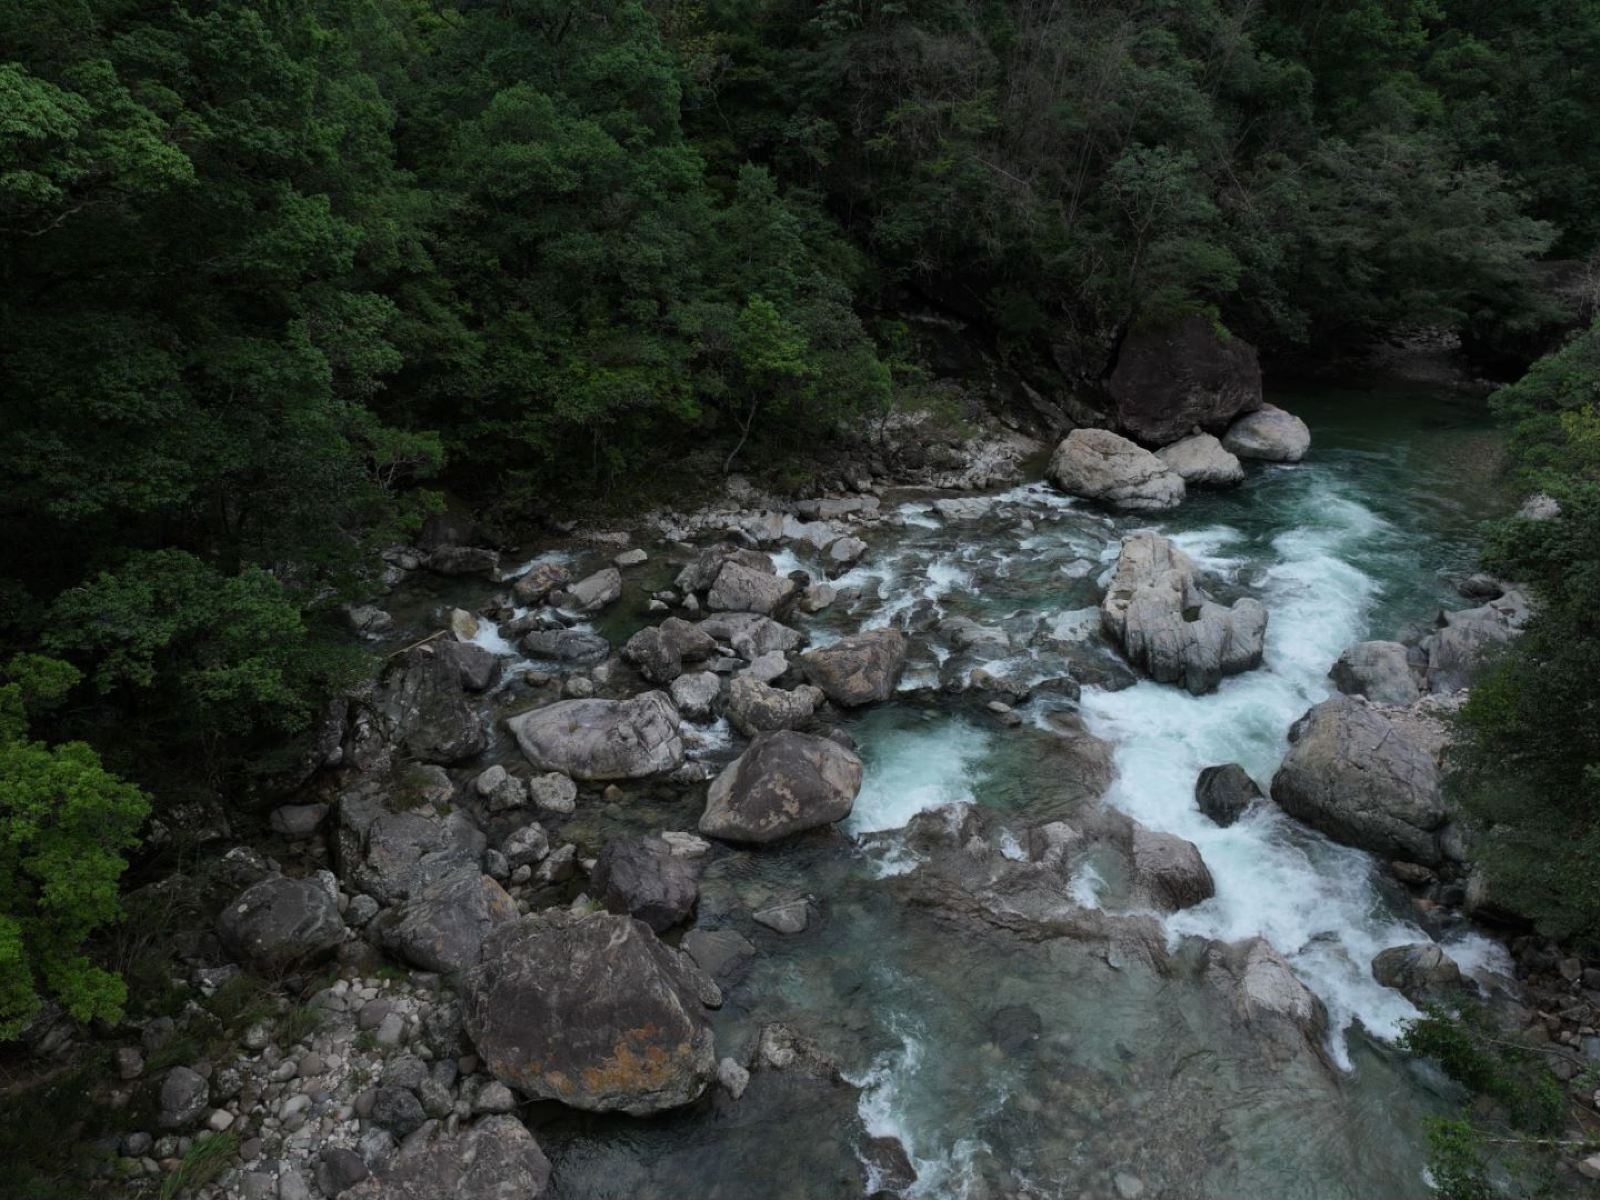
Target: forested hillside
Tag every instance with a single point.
(276, 276)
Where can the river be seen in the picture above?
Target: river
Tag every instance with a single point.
(1125, 1082)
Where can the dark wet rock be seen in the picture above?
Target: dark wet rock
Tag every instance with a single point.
(1014, 1028)
(590, 1009)
(723, 954)
(1266, 996)
(1357, 777)
(1225, 792)
(389, 854)
(425, 710)
(496, 1159)
(1167, 380)
(858, 670)
(785, 783)
(751, 635)
(1421, 971)
(478, 669)
(464, 560)
(397, 1110)
(602, 739)
(185, 1098)
(1200, 461)
(1380, 671)
(279, 922)
(1269, 434)
(339, 1170)
(1099, 465)
(443, 926)
(889, 1167)
(756, 708)
(596, 591)
(643, 878)
(541, 579)
(1169, 627)
(578, 646)
(297, 821)
(1168, 872)
(739, 588)
(1468, 637)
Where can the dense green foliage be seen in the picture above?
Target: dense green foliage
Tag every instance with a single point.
(274, 273)
(1532, 775)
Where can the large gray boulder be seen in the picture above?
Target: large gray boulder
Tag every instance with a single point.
(1168, 627)
(1099, 465)
(750, 634)
(739, 588)
(279, 922)
(658, 652)
(1200, 461)
(602, 739)
(389, 855)
(594, 592)
(784, 783)
(579, 646)
(496, 1159)
(1266, 995)
(643, 878)
(858, 670)
(1420, 971)
(1269, 434)
(1168, 871)
(592, 1010)
(1168, 380)
(442, 927)
(754, 707)
(1468, 636)
(1380, 671)
(1223, 793)
(424, 708)
(541, 579)
(1353, 774)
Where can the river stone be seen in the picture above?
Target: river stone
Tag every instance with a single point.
(442, 927)
(1380, 671)
(1420, 971)
(694, 694)
(602, 739)
(754, 708)
(424, 708)
(1457, 650)
(653, 655)
(279, 922)
(594, 592)
(1353, 774)
(541, 579)
(1168, 871)
(478, 669)
(1168, 627)
(400, 852)
(643, 878)
(496, 1159)
(750, 634)
(1200, 461)
(1169, 379)
(464, 560)
(785, 783)
(858, 670)
(1269, 434)
(1223, 793)
(739, 588)
(578, 646)
(1264, 991)
(185, 1096)
(297, 821)
(592, 1010)
(707, 565)
(1099, 465)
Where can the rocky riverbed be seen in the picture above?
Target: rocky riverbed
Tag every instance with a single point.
(1010, 843)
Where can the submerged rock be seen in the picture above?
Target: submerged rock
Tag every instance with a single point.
(1269, 434)
(1168, 380)
(602, 739)
(1224, 793)
(858, 670)
(591, 1010)
(1201, 461)
(1354, 775)
(1099, 465)
(1168, 627)
(785, 783)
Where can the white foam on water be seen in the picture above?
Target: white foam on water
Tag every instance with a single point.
(549, 556)
(910, 770)
(1314, 901)
(1085, 886)
(920, 515)
(938, 577)
(490, 638)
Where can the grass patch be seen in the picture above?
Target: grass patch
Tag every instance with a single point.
(180, 1051)
(203, 1163)
(299, 1023)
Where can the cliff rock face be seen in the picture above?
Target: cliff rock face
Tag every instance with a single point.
(1167, 381)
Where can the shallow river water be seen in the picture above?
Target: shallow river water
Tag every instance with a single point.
(1125, 1082)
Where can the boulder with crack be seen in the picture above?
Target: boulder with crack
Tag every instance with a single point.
(602, 739)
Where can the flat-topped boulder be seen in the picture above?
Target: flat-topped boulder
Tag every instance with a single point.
(741, 588)
(1100, 465)
(602, 739)
(1201, 461)
(785, 783)
(1356, 776)
(592, 1010)
(858, 670)
(1269, 434)
(443, 925)
(1169, 379)
(1155, 609)
(1380, 671)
